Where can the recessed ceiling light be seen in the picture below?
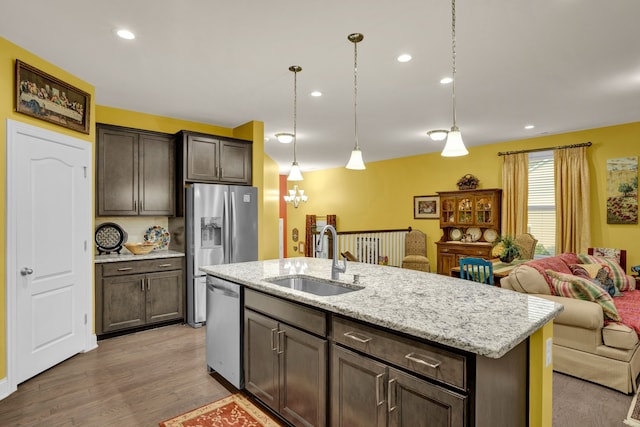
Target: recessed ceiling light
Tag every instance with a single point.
(126, 34)
(446, 80)
(316, 93)
(529, 127)
(405, 57)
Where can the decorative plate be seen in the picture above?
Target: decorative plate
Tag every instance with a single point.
(456, 234)
(490, 235)
(475, 233)
(158, 235)
(110, 237)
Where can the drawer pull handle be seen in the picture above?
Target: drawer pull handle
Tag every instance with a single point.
(142, 285)
(391, 388)
(378, 387)
(363, 338)
(421, 359)
(125, 269)
(273, 341)
(165, 265)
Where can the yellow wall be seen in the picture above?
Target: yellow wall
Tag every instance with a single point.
(9, 52)
(381, 197)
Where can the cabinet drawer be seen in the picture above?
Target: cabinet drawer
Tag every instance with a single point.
(144, 266)
(415, 356)
(294, 314)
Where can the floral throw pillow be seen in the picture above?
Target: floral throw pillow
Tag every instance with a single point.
(598, 274)
(620, 278)
(570, 286)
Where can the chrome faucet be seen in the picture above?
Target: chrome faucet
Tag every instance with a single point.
(335, 268)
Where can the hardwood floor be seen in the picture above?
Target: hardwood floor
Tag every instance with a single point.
(132, 380)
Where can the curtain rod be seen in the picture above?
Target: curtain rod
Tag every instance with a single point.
(532, 150)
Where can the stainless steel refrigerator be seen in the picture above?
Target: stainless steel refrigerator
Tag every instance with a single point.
(221, 227)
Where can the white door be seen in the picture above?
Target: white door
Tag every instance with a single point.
(49, 227)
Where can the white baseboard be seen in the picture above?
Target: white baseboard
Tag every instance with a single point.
(5, 389)
(92, 343)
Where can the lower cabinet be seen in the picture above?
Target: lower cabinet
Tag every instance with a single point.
(132, 294)
(365, 392)
(373, 377)
(285, 367)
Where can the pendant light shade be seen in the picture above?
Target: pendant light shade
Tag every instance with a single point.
(454, 146)
(355, 161)
(294, 173)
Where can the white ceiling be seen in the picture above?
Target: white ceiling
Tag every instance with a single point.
(562, 65)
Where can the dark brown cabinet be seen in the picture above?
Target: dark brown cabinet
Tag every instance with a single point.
(450, 253)
(285, 367)
(209, 158)
(135, 172)
(369, 393)
(132, 294)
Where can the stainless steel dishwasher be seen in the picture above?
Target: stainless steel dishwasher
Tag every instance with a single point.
(224, 330)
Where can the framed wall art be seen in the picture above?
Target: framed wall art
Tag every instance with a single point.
(426, 207)
(622, 190)
(47, 98)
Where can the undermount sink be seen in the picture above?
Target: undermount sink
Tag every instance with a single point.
(312, 285)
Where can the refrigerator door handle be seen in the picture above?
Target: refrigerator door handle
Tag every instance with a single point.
(227, 230)
(232, 228)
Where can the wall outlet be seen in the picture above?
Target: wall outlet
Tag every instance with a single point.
(549, 347)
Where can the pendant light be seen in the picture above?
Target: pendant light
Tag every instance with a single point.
(355, 161)
(295, 174)
(454, 146)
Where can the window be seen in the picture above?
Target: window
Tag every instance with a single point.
(542, 204)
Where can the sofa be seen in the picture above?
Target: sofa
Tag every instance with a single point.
(586, 343)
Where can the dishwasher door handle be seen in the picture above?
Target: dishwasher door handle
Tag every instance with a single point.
(223, 291)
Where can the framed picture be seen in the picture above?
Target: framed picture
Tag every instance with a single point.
(426, 207)
(47, 98)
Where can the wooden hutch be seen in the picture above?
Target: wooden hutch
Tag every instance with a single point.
(470, 223)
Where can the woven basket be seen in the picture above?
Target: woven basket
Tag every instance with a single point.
(468, 186)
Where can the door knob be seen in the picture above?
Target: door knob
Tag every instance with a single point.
(26, 271)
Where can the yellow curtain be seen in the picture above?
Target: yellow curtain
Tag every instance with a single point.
(572, 200)
(515, 194)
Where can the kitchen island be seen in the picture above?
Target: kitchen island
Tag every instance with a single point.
(496, 336)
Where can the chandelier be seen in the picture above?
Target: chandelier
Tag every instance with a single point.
(295, 196)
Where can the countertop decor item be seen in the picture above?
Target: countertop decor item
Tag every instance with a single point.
(158, 235)
(109, 238)
(468, 182)
(140, 248)
(505, 249)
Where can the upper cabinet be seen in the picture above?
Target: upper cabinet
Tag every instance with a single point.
(215, 159)
(470, 208)
(135, 172)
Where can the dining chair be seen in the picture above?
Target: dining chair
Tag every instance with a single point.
(415, 251)
(526, 243)
(477, 270)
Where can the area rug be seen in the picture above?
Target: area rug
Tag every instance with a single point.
(231, 411)
(633, 416)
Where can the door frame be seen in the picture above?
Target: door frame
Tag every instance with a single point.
(8, 385)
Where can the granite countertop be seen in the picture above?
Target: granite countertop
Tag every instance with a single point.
(128, 256)
(469, 316)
